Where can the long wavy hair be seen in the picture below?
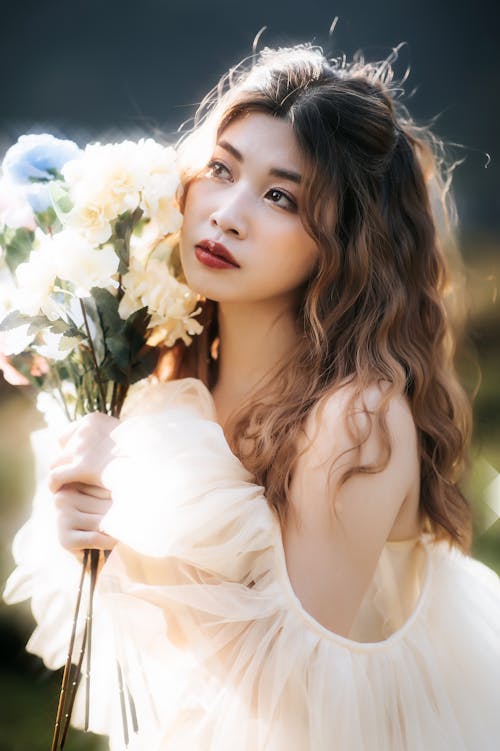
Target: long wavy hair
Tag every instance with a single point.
(380, 306)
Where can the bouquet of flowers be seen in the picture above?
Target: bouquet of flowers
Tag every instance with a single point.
(91, 286)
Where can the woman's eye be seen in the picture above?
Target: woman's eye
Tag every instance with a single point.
(277, 196)
(217, 169)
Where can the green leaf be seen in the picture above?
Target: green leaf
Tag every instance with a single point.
(107, 306)
(74, 333)
(18, 244)
(109, 370)
(122, 231)
(124, 340)
(15, 319)
(123, 252)
(119, 348)
(38, 323)
(136, 217)
(145, 365)
(135, 327)
(59, 326)
(48, 221)
(59, 194)
(113, 329)
(98, 337)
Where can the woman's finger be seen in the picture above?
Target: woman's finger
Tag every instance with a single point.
(75, 540)
(70, 498)
(74, 472)
(64, 457)
(94, 422)
(95, 491)
(77, 531)
(80, 521)
(65, 434)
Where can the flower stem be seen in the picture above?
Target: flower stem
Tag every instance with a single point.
(67, 667)
(57, 380)
(94, 565)
(94, 359)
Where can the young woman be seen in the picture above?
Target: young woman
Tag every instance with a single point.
(290, 564)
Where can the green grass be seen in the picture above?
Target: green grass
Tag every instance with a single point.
(29, 693)
(27, 714)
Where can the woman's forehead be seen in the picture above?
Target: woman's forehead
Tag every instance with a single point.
(260, 135)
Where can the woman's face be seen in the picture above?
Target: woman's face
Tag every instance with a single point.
(247, 199)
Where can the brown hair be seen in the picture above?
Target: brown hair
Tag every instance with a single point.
(379, 305)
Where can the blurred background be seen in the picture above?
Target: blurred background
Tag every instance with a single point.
(110, 70)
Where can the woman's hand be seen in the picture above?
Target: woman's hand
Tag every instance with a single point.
(75, 479)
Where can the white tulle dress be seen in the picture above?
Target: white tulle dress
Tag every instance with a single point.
(216, 651)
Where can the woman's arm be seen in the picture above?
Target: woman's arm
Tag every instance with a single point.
(331, 559)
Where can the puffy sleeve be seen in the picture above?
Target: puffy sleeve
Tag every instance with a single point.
(216, 652)
(49, 577)
(45, 573)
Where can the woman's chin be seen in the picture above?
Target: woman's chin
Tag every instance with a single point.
(210, 288)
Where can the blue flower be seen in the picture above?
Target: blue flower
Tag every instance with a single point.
(38, 197)
(36, 157)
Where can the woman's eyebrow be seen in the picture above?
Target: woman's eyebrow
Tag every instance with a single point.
(275, 171)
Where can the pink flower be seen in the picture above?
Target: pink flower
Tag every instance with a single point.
(11, 375)
(39, 366)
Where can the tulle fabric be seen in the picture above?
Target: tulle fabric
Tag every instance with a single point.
(216, 651)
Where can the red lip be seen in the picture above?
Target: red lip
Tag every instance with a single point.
(215, 254)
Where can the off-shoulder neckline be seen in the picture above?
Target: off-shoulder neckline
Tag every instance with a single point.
(324, 632)
(344, 641)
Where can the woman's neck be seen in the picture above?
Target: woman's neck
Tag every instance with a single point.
(254, 339)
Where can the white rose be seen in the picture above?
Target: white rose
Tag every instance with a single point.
(107, 177)
(159, 203)
(91, 221)
(157, 158)
(110, 179)
(85, 266)
(35, 280)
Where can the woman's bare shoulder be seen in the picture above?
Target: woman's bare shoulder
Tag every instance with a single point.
(326, 438)
(333, 410)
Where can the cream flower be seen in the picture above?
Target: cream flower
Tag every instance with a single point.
(161, 206)
(168, 333)
(103, 183)
(91, 221)
(70, 257)
(35, 279)
(110, 179)
(160, 186)
(142, 245)
(15, 340)
(83, 265)
(170, 303)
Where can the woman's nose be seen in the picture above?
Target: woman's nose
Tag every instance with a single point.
(230, 217)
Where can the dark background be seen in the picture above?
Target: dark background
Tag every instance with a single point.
(88, 69)
(110, 70)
